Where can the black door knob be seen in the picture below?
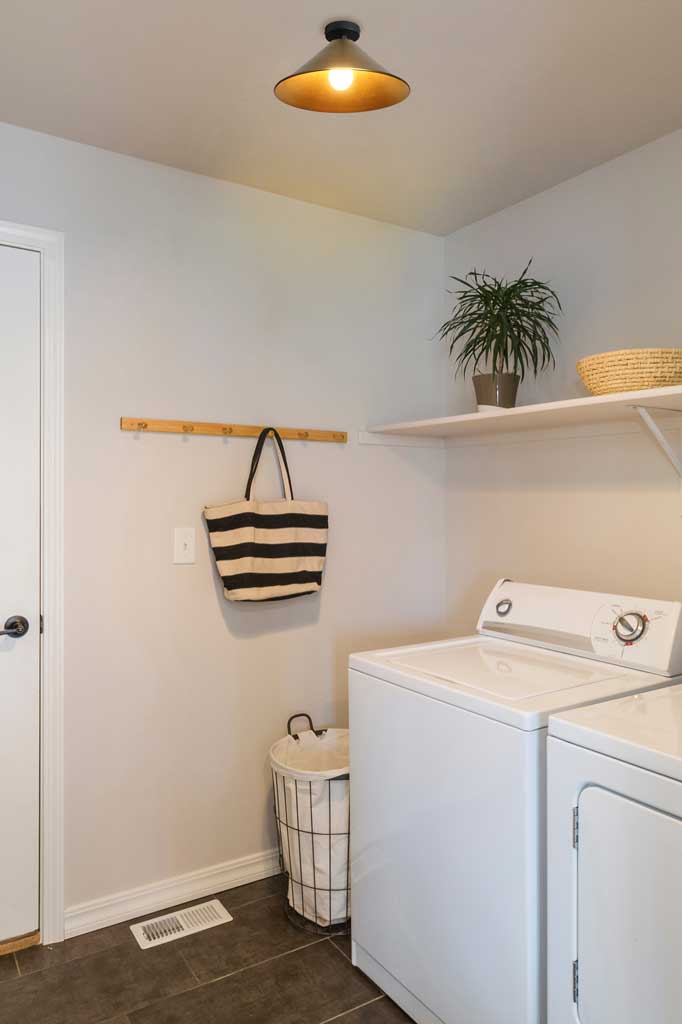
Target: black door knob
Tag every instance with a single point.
(16, 626)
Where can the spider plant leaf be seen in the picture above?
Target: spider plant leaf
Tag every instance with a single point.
(506, 325)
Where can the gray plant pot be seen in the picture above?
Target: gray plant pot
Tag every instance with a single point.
(496, 389)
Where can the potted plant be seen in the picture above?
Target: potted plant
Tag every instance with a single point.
(504, 327)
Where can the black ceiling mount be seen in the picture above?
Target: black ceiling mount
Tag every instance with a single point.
(342, 30)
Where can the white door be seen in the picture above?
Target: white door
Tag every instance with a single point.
(19, 590)
(629, 912)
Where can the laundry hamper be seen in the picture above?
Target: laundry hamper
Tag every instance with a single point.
(310, 777)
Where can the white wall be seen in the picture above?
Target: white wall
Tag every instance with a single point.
(592, 512)
(192, 298)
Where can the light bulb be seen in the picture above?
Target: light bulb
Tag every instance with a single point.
(340, 78)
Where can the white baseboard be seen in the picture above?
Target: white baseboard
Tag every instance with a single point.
(146, 899)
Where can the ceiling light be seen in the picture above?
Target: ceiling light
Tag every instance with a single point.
(342, 78)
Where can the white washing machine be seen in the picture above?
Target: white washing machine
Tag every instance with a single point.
(448, 745)
(615, 879)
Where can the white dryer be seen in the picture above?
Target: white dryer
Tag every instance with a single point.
(615, 862)
(448, 746)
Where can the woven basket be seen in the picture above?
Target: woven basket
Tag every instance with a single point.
(631, 369)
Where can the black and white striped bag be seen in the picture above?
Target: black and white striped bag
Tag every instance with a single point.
(269, 550)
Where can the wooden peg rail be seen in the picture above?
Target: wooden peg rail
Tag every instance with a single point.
(227, 430)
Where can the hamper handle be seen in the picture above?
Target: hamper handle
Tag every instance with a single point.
(304, 714)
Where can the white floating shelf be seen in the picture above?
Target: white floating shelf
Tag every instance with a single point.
(575, 411)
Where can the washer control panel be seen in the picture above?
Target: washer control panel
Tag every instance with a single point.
(634, 632)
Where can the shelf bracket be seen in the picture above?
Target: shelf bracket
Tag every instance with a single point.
(661, 440)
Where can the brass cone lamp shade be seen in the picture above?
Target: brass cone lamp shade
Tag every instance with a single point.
(342, 78)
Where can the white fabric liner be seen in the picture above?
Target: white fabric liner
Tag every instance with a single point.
(312, 757)
(313, 808)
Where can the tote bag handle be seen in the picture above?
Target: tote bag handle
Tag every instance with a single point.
(281, 455)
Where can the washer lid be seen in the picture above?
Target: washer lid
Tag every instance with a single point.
(512, 682)
(644, 729)
(511, 671)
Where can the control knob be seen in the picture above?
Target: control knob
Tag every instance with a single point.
(630, 627)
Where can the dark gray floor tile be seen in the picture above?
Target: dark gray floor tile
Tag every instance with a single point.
(305, 987)
(95, 988)
(381, 1011)
(8, 968)
(242, 894)
(258, 932)
(342, 942)
(38, 958)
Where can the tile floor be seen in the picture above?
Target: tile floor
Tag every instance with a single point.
(258, 969)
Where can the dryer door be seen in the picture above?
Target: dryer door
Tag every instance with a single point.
(629, 912)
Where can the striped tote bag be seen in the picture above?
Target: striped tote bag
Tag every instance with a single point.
(269, 550)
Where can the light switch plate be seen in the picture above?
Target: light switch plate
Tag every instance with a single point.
(184, 546)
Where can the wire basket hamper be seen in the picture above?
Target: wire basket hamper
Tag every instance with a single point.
(312, 814)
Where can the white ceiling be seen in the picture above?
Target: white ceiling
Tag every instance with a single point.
(509, 97)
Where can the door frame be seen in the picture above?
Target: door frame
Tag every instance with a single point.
(50, 246)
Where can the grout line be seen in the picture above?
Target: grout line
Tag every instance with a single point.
(249, 903)
(188, 966)
(16, 964)
(260, 963)
(340, 1016)
(204, 984)
(144, 1005)
(76, 959)
(211, 981)
(344, 955)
